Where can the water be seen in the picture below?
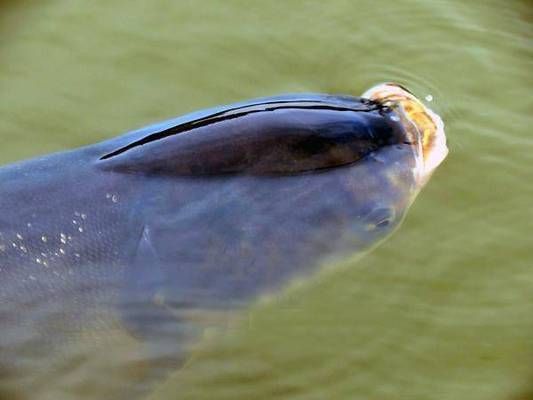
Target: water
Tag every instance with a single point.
(444, 308)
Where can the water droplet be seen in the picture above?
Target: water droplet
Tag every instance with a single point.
(114, 198)
(44, 239)
(80, 229)
(19, 236)
(429, 98)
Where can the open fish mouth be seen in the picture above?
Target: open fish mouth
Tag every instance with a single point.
(423, 125)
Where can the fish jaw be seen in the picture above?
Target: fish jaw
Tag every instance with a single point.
(428, 126)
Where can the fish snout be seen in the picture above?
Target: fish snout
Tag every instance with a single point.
(425, 127)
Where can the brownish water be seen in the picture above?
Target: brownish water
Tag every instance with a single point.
(443, 310)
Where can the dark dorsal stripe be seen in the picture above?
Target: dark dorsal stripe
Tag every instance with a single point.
(237, 112)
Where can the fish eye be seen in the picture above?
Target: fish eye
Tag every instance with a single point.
(383, 223)
(380, 217)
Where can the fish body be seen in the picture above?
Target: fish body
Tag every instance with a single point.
(202, 213)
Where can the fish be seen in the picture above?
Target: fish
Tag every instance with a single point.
(160, 231)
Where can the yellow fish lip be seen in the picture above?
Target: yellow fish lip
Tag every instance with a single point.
(427, 125)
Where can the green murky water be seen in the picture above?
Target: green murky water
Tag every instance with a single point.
(444, 309)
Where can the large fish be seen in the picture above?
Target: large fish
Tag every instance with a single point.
(155, 230)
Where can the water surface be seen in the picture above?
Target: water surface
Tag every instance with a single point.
(444, 309)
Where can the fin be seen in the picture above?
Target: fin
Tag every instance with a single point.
(139, 302)
(168, 329)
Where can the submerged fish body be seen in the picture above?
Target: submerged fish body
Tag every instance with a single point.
(201, 213)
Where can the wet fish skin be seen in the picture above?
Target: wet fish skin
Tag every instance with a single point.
(81, 232)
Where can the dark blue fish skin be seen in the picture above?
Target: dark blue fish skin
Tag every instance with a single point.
(82, 231)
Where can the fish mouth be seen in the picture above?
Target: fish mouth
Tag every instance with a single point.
(425, 127)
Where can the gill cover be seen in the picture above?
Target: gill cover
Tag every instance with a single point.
(279, 135)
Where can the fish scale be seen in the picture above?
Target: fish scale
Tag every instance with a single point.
(172, 228)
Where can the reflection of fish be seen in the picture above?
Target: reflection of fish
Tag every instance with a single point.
(197, 214)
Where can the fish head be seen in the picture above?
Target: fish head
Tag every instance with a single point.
(424, 127)
(238, 201)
